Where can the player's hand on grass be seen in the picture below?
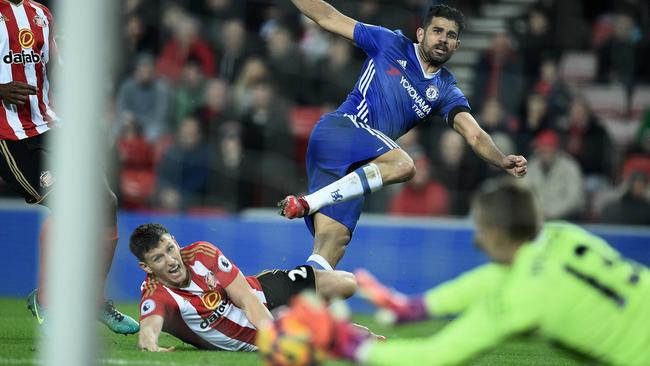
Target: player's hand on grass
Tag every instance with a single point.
(516, 165)
(158, 349)
(394, 307)
(16, 92)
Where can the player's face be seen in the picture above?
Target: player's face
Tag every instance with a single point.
(165, 262)
(439, 40)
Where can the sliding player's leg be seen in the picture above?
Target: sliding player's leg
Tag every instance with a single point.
(280, 286)
(335, 284)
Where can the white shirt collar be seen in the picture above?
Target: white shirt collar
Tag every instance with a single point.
(421, 63)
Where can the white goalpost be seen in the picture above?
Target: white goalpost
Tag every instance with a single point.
(73, 262)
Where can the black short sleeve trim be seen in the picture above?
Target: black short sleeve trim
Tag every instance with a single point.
(453, 112)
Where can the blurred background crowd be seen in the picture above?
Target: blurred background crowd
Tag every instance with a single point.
(214, 100)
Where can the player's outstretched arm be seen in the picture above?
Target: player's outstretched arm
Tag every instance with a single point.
(513, 309)
(484, 147)
(449, 298)
(150, 329)
(327, 17)
(241, 294)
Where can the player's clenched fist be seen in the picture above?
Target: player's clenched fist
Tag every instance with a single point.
(516, 165)
(16, 92)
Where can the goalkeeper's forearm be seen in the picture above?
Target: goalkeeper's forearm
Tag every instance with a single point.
(316, 10)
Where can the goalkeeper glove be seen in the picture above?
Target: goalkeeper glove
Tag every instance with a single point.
(395, 307)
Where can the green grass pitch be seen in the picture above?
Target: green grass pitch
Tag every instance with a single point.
(17, 340)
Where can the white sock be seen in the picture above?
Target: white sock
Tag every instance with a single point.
(362, 181)
(318, 262)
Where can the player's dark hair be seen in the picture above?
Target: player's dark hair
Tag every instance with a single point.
(447, 12)
(146, 237)
(509, 206)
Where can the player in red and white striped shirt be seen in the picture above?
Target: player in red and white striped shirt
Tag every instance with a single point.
(26, 46)
(196, 294)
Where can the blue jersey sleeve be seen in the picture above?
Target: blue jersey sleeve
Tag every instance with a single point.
(372, 38)
(454, 98)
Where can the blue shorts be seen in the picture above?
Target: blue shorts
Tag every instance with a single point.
(337, 145)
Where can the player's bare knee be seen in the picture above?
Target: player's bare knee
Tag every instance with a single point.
(411, 170)
(348, 284)
(395, 166)
(405, 170)
(343, 239)
(335, 284)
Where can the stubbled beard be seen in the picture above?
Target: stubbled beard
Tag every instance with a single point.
(437, 61)
(430, 56)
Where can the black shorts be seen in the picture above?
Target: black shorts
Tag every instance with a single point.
(280, 285)
(22, 167)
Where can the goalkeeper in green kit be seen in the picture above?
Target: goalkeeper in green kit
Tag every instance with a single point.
(557, 279)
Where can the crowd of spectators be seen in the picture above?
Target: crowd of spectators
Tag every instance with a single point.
(214, 101)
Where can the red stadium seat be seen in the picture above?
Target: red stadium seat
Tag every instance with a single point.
(302, 120)
(161, 146)
(636, 163)
(135, 153)
(137, 186)
(602, 30)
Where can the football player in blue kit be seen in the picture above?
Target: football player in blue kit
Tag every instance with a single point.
(352, 151)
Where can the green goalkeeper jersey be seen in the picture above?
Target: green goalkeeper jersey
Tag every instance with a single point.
(568, 285)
